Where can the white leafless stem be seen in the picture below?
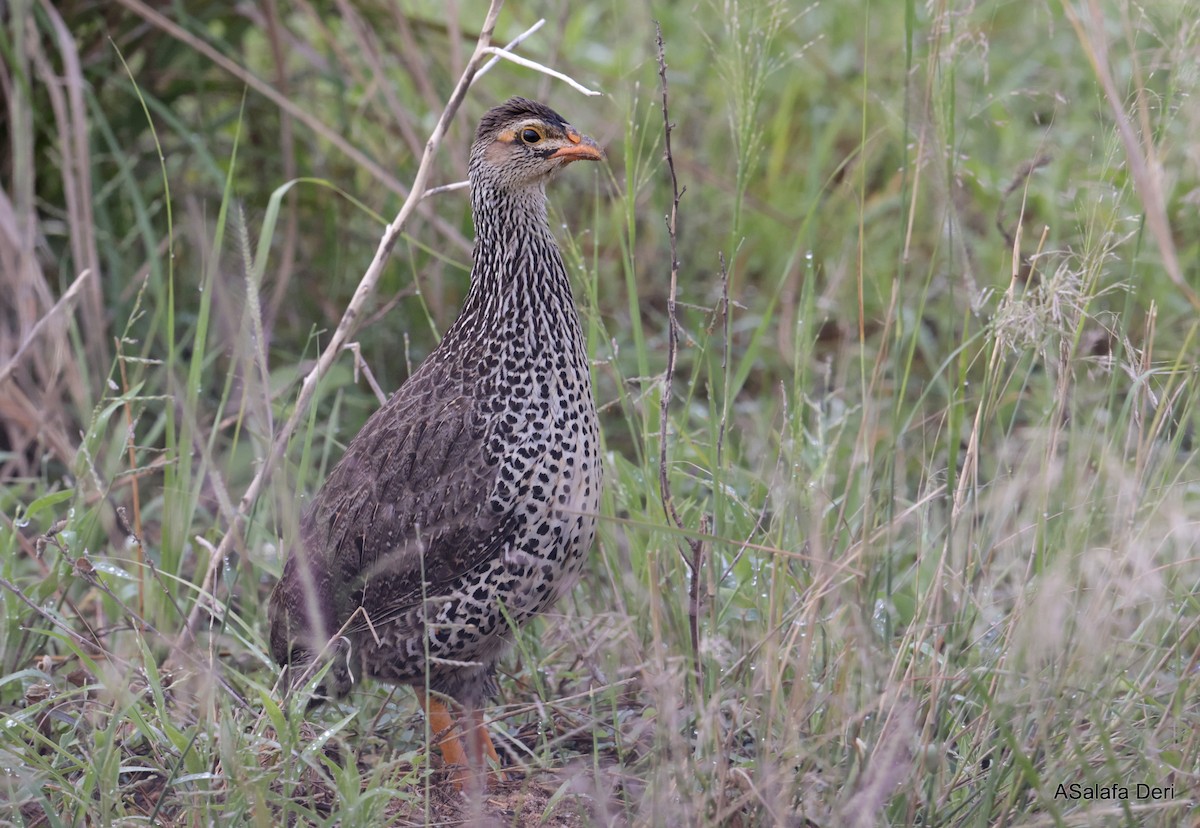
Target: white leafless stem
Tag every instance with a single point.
(545, 70)
(447, 188)
(508, 47)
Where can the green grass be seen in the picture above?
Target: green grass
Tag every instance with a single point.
(948, 519)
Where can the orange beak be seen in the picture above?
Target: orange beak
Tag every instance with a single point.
(582, 148)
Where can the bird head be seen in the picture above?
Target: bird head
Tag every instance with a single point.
(521, 143)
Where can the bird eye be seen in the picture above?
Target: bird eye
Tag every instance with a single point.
(531, 136)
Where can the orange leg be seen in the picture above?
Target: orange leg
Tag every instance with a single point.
(441, 724)
(469, 761)
(479, 744)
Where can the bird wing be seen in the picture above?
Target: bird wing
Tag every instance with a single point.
(406, 511)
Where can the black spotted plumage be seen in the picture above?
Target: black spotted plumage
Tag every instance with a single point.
(476, 486)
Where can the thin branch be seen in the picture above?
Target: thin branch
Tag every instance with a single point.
(67, 629)
(696, 562)
(71, 113)
(134, 531)
(545, 70)
(508, 47)
(1022, 265)
(360, 365)
(724, 357)
(672, 321)
(66, 299)
(447, 188)
(349, 322)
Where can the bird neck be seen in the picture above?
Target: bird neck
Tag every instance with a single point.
(518, 280)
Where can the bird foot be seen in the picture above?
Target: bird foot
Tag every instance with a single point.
(470, 768)
(465, 778)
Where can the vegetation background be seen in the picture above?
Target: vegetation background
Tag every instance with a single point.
(930, 439)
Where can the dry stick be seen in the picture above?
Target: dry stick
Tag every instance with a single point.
(54, 620)
(315, 663)
(348, 323)
(136, 529)
(697, 559)
(77, 182)
(508, 47)
(531, 64)
(58, 307)
(1022, 265)
(672, 323)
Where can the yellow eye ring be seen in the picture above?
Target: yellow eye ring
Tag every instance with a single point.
(530, 135)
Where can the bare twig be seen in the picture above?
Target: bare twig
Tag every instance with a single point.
(508, 47)
(66, 299)
(56, 621)
(724, 356)
(512, 44)
(447, 188)
(1022, 267)
(672, 321)
(545, 70)
(696, 561)
(134, 531)
(71, 114)
(349, 321)
(360, 364)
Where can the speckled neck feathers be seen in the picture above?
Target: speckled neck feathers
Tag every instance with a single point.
(519, 286)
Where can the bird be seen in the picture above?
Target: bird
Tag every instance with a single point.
(467, 503)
